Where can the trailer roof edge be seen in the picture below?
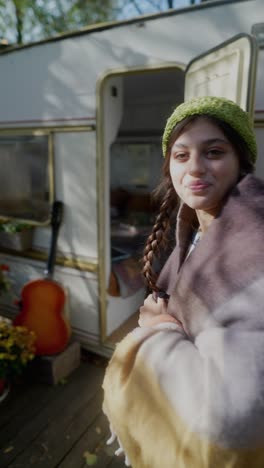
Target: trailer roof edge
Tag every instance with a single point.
(115, 24)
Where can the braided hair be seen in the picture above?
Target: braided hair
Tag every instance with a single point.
(159, 238)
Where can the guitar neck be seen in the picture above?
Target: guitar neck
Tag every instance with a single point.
(52, 256)
(55, 225)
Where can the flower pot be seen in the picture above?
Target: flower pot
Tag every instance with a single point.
(4, 389)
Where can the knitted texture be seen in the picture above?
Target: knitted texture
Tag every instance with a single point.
(221, 108)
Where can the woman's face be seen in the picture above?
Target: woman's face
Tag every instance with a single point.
(203, 166)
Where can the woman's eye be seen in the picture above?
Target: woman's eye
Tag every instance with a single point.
(180, 156)
(214, 153)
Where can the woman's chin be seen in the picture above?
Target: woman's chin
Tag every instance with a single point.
(201, 205)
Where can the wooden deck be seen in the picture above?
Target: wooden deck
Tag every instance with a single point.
(61, 426)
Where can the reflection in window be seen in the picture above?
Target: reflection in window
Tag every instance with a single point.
(24, 177)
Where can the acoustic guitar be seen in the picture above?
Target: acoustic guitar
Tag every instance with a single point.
(43, 300)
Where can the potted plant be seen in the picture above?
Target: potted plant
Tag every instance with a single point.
(15, 235)
(16, 350)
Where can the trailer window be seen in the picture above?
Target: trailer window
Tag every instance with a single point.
(25, 186)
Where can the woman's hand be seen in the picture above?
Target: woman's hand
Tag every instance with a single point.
(153, 313)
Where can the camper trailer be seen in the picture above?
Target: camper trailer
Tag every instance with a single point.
(81, 119)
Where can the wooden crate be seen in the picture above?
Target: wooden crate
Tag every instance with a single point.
(54, 369)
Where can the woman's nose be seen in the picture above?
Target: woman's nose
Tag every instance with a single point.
(196, 164)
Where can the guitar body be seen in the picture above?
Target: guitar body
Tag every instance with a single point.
(42, 302)
(42, 309)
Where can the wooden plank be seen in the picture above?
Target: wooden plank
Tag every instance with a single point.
(49, 448)
(20, 394)
(89, 442)
(22, 404)
(29, 390)
(117, 462)
(83, 384)
(105, 455)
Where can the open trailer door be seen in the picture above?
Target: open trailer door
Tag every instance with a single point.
(228, 70)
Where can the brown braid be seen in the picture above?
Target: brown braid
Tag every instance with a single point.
(158, 238)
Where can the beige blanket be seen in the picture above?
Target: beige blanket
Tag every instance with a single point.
(193, 397)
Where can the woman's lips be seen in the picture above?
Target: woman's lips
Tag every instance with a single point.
(198, 186)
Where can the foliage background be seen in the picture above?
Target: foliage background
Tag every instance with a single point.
(23, 21)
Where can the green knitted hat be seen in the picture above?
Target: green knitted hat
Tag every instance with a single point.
(221, 108)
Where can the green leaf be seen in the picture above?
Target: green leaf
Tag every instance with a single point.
(90, 458)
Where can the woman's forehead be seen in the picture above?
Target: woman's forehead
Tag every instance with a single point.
(200, 130)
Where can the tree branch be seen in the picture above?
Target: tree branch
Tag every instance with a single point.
(134, 3)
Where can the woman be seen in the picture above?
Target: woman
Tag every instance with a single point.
(186, 389)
